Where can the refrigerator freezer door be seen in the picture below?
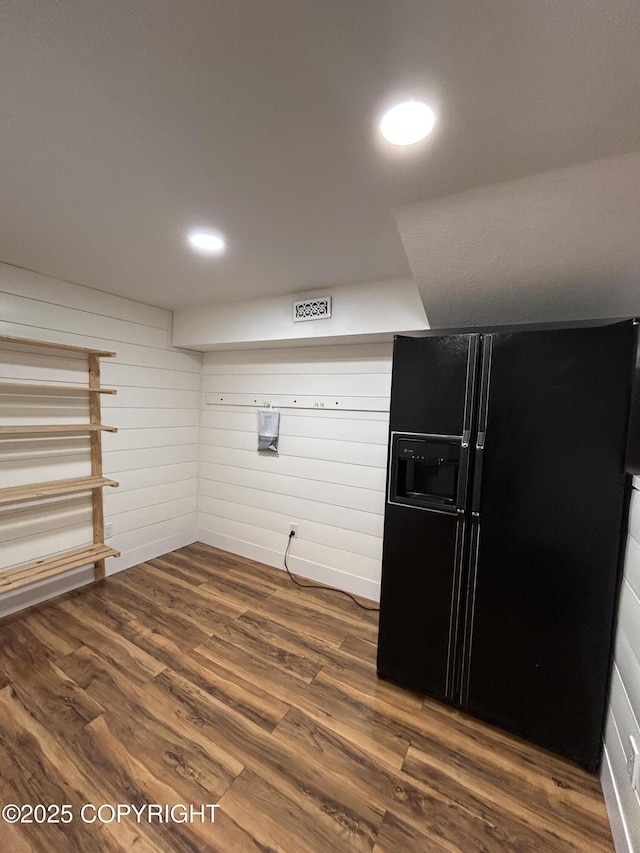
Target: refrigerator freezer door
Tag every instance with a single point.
(432, 384)
(545, 539)
(433, 388)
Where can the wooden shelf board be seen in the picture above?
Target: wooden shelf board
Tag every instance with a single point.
(50, 567)
(52, 488)
(55, 429)
(49, 345)
(22, 387)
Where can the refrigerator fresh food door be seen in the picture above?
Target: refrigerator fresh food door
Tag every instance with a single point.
(547, 510)
(432, 399)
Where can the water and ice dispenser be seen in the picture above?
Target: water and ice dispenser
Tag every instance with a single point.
(424, 471)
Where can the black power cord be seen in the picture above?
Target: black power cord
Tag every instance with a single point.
(316, 586)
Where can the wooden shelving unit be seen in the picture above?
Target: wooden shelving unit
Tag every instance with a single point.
(59, 390)
(55, 429)
(52, 488)
(6, 339)
(96, 552)
(50, 567)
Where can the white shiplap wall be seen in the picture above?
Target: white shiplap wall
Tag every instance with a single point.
(329, 473)
(623, 720)
(157, 411)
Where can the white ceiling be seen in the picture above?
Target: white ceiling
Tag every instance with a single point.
(125, 122)
(559, 245)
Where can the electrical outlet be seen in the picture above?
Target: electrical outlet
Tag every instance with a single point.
(108, 529)
(293, 527)
(633, 763)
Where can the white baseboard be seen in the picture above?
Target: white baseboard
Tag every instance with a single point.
(37, 593)
(80, 577)
(614, 807)
(45, 590)
(147, 552)
(304, 568)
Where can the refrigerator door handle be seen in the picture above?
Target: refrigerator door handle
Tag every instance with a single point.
(469, 404)
(477, 476)
(487, 351)
(469, 617)
(461, 496)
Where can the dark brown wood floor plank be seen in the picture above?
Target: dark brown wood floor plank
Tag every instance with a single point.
(129, 705)
(12, 837)
(161, 788)
(302, 620)
(172, 623)
(122, 780)
(217, 575)
(45, 774)
(521, 807)
(395, 836)
(372, 617)
(446, 729)
(75, 620)
(516, 758)
(375, 726)
(223, 597)
(175, 598)
(554, 788)
(301, 656)
(313, 604)
(207, 572)
(320, 706)
(254, 572)
(208, 597)
(256, 632)
(282, 671)
(49, 637)
(170, 750)
(447, 746)
(259, 705)
(438, 723)
(157, 643)
(364, 649)
(243, 696)
(108, 608)
(285, 652)
(283, 824)
(203, 676)
(442, 810)
(362, 678)
(55, 700)
(187, 568)
(22, 650)
(276, 762)
(329, 600)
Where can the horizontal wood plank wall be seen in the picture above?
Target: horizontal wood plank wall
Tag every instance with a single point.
(328, 476)
(623, 718)
(157, 411)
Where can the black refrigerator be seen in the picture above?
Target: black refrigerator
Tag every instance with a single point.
(505, 511)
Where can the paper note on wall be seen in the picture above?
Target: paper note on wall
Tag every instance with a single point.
(268, 430)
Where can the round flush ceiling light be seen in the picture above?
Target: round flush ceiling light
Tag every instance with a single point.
(207, 242)
(407, 123)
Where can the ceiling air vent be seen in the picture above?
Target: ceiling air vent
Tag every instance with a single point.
(312, 309)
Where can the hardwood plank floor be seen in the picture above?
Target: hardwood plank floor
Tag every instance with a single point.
(204, 678)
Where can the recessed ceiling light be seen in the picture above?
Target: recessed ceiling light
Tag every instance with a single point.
(407, 123)
(211, 242)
